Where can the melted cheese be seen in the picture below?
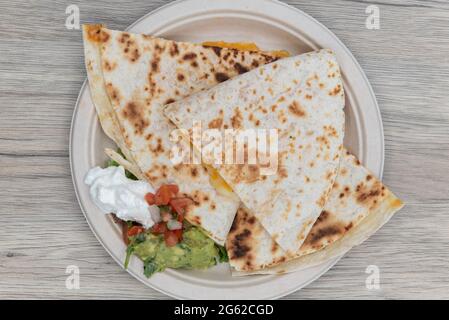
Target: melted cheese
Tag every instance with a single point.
(245, 46)
(280, 53)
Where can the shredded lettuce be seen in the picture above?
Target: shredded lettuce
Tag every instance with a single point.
(113, 163)
(222, 254)
(132, 246)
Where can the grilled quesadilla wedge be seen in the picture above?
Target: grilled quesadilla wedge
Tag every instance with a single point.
(92, 36)
(357, 206)
(302, 98)
(140, 74)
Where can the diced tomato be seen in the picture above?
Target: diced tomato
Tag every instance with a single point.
(159, 228)
(180, 217)
(171, 238)
(174, 189)
(180, 204)
(178, 234)
(125, 232)
(162, 196)
(150, 198)
(135, 230)
(166, 216)
(165, 193)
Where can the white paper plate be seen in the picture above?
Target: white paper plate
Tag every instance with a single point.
(272, 25)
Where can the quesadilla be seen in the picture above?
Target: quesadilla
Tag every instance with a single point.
(357, 206)
(302, 98)
(92, 36)
(131, 77)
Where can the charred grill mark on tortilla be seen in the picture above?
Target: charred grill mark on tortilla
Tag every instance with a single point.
(133, 113)
(216, 123)
(236, 119)
(129, 47)
(296, 109)
(113, 93)
(95, 33)
(109, 66)
(240, 68)
(221, 76)
(189, 56)
(174, 50)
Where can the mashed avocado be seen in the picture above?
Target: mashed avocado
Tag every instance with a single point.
(195, 251)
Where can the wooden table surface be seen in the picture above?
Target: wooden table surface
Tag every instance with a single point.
(44, 231)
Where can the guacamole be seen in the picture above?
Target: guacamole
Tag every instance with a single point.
(195, 251)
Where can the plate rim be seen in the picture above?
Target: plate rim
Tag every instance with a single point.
(328, 264)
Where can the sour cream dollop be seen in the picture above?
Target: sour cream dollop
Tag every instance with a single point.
(112, 191)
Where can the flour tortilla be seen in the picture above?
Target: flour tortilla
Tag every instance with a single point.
(92, 36)
(302, 97)
(141, 74)
(358, 205)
